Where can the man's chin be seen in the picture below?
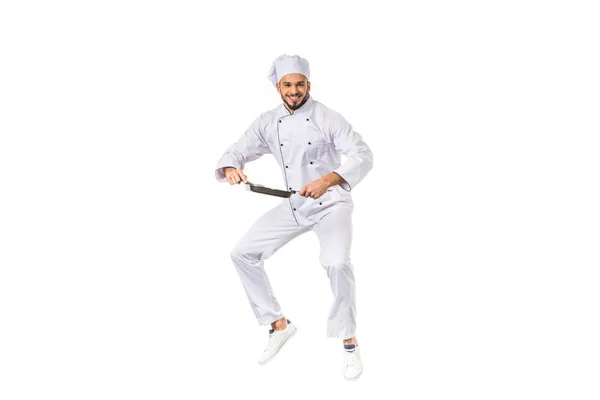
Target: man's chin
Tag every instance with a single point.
(295, 105)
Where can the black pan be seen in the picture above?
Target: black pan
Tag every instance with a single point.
(271, 192)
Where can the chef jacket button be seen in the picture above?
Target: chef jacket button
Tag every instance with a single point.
(281, 144)
(294, 209)
(307, 119)
(311, 162)
(279, 121)
(290, 188)
(287, 166)
(308, 142)
(320, 203)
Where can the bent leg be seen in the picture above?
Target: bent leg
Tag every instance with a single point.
(267, 235)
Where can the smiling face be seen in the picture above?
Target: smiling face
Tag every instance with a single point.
(294, 89)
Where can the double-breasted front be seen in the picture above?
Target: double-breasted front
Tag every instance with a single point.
(307, 145)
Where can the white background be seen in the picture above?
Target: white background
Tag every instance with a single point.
(476, 245)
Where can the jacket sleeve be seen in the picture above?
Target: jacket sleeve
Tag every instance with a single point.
(351, 144)
(249, 147)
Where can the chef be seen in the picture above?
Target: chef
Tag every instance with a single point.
(306, 139)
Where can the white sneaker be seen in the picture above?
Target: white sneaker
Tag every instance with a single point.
(353, 366)
(276, 341)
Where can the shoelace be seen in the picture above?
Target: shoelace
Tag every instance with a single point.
(350, 357)
(271, 339)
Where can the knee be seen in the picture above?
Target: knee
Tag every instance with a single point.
(342, 267)
(237, 253)
(335, 261)
(241, 254)
(342, 272)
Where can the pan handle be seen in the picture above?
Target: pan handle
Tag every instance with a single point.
(297, 191)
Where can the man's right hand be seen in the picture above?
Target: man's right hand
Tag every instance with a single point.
(234, 175)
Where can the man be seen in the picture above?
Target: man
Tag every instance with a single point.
(306, 139)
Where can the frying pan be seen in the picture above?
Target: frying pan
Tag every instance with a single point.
(256, 188)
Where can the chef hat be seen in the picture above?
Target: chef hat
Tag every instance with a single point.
(285, 64)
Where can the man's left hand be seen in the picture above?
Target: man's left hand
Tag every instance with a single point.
(315, 189)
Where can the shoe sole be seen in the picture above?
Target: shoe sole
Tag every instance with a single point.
(355, 378)
(280, 347)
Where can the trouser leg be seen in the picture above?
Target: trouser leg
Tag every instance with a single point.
(268, 234)
(334, 232)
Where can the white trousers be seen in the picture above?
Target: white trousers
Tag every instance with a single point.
(276, 228)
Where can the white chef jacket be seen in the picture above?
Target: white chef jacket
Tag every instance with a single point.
(307, 145)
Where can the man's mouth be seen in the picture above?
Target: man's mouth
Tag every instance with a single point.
(294, 98)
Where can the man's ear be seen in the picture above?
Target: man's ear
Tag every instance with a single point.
(278, 88)
(308, 86)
